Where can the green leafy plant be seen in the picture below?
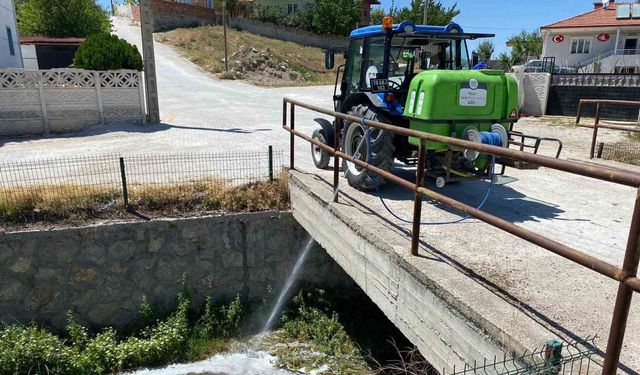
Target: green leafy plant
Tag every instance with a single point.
(107, 52)
(317, 324)
(337, 17)
(60, 18)
(438, 14)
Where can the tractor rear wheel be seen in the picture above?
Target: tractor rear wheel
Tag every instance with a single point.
(354, 143)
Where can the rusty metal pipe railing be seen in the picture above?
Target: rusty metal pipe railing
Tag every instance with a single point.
(626, 276)
(583, 169)
(588, 261)
(597, 125)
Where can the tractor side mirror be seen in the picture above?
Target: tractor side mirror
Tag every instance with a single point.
(329, 59)
(475, 59)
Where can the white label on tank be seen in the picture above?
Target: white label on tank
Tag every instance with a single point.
(420, 103)
(412, 101)
(473, 97)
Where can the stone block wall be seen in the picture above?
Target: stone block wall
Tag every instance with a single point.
(169, 15)
(102, 272)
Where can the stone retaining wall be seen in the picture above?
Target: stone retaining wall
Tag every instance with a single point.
(102, 272)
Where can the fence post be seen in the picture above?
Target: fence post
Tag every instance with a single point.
(417, 202)
(123, 177)
(600, 150)
(595, 131)
(43, 103)
(270, 163)
(336, 159)
(292, 138)
(96, 78)
(624, 296)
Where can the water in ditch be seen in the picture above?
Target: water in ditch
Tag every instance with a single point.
(252, 361)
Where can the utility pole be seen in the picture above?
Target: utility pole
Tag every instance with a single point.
(148, 56)
(426, 12)
(224, 23)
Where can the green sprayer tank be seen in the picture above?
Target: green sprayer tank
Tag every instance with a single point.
(480, 98)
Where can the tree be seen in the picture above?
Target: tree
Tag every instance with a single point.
(377, 15)
(526, 44)
(438, 13)
(62, 18)
(485, 50)
(506, 61)
(336, 17)
(107, 52)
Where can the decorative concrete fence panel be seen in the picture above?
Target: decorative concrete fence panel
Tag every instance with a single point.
(67, 100)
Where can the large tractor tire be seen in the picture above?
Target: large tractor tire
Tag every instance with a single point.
(381, 153)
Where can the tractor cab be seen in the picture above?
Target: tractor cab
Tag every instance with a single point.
(382, 60)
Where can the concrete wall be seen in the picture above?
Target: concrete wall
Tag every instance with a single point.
(272, 31)
(169, 15)
(534, 92)
(67, 100)
(103, 272)
(8, 26)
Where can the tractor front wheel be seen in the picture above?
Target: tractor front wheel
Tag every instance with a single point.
(321, 158)
(379, 153)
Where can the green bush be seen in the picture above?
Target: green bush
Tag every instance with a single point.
(107, 52)
(32, 350)
(316, 323)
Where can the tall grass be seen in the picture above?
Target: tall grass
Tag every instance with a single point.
(58, 203)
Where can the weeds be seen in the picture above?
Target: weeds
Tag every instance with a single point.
(32, 350)
(78, 203)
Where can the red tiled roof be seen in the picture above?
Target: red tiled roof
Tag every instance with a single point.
(603, 17)
(50, 40)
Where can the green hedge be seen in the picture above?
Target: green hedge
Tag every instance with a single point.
(107, 52)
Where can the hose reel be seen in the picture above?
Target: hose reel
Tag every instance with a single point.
(498, 136)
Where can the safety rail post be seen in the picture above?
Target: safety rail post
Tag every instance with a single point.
(337, 129)
(123, 177)
(595, 130)
(417, 201)
(292, 138)
(270, 163)
(625, 294)
(579, 115)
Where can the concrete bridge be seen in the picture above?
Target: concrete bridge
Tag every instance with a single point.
(474, 291)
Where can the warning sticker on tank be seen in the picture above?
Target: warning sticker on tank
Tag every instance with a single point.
(473, 94)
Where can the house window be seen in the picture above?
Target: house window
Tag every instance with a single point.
(12, 50)
(580, 46)
(185, 1)
(208, 3)
(292, 8)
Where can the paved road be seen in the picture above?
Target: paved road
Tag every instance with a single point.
(199, 114)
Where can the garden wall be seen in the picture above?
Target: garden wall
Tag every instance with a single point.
(34, 102)
(102, 272)
(287, 34)
(169, 15)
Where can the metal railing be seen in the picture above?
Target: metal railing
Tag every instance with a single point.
(597, 125)
(626, 276)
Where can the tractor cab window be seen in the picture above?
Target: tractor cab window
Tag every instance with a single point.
(447, 54)
(353, 68)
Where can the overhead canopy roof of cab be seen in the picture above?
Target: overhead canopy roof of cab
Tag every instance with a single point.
(452, 30)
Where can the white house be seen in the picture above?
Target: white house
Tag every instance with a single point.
(604, 40)
(10, 55)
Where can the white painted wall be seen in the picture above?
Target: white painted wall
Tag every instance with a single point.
(8, 26)
(562, 51)
(29, 56)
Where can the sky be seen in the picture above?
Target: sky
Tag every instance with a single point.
(507, 17)
(503, 17)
